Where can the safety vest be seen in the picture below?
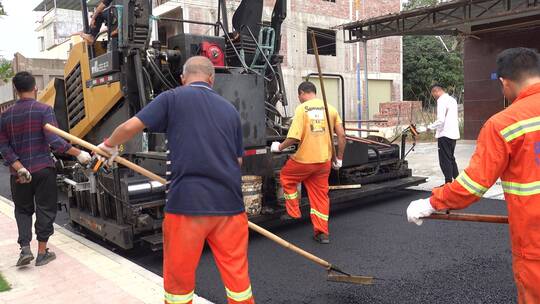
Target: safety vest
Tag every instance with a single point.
(508, 147)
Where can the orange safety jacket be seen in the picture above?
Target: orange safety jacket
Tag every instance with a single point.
(508, 147)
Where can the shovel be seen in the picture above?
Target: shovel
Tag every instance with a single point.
(334, 273)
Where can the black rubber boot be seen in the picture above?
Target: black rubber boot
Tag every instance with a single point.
(287, 217)
(25, 257)
(322, 238)
(45, 258)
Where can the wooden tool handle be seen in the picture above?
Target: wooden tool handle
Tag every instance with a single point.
(74, 139)
(361, 130)
(288, 245)
(323, 92)
(344, 187)
(366, 141)
(141, 170)
(468, 217)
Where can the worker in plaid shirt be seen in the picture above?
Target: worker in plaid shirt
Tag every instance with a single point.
(25, 147)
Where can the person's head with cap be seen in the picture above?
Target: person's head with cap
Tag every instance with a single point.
(517, 68)
(437, 90)
(198, 69)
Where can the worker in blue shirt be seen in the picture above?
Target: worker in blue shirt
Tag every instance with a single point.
(204, 198)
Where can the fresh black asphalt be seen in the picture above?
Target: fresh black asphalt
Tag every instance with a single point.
(438, 262)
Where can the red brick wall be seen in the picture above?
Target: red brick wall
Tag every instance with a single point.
(199, 14)
(374, 8)
(391, 55)
(384, 55)
(338, 9)
(397, 113)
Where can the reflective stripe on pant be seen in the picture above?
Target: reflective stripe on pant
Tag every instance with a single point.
(315, 178)
(183, 242)
(527, 277)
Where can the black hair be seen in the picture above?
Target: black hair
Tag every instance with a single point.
(307, 87)
(518, 63)
(24, 82)
(436, 85)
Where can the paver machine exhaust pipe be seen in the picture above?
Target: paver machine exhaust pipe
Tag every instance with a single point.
(335, 274)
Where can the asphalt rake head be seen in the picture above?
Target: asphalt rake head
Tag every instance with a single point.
(337, 275)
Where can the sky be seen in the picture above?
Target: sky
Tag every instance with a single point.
(17, 28)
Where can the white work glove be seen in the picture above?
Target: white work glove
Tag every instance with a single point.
(421, 129)
(84, 157)
(337, 163)
(418, 209)
(111, 150)
(431, 127)
(275, 147)
(24, 176)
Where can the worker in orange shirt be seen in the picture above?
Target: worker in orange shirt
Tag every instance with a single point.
(312, 161)
(508, 147)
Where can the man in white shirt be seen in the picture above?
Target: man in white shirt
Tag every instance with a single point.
(446, 131)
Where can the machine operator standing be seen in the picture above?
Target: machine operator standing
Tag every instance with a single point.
(508, 147)
(204, 196)
(99, 17)
(311, 163)
(25, 147)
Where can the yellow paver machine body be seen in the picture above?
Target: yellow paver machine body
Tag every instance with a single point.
(85, 104)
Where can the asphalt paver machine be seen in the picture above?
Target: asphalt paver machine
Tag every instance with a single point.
(110, 81)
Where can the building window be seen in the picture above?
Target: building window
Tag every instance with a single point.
(41, 42)
(326, 41)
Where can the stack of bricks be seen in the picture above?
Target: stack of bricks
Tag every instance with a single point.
(398, 113)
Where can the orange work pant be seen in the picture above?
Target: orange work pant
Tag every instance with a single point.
(315, 178)
(527, 277)
(183, 241)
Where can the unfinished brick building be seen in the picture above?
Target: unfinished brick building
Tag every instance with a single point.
(384, 55)
(383, 60)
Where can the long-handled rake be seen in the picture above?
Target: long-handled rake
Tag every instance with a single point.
(334, 273)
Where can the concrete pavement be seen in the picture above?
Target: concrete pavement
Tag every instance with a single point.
(424, 161)
(83, 271)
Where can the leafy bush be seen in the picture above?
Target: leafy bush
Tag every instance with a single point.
(4, 286)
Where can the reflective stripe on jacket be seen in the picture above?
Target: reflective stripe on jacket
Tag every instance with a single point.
(508, 147)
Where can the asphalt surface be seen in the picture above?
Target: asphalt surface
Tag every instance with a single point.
(438, 262)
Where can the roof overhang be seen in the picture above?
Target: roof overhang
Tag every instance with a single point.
(46, 5)
(466, 17)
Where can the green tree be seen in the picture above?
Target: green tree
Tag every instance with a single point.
(6, 72)
(426, 60)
